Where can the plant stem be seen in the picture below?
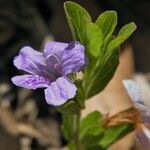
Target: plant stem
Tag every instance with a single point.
(77, 131)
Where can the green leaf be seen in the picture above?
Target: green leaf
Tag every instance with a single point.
(77, 18)
(107, 66)
(90, 121)
(107, 22)
(93, 48)
(102, 74)
(91, 130)
(94, 39)
(90, 141)
(123, 35)
(113, 134)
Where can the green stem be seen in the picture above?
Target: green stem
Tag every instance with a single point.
(77, 131)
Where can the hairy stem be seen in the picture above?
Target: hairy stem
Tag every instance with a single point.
(77, 131)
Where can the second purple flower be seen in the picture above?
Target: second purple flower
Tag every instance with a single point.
(50, 69)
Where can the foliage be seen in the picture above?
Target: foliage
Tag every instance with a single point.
(101, 46)
(102, 51)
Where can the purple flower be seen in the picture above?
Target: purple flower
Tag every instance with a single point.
(134, 92)
(50, 69)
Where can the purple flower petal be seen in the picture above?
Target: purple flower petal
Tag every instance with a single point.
(133, 90)
(143, 136)
(60, 91)
(55, 48)
(30, 81)
(49, 69)
(53, 64)
(135, 94)
(145, 112)
(73, 58)
(29, 60)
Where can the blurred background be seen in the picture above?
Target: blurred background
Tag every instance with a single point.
(26, 121)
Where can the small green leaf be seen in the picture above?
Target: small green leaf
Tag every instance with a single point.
(77, 18)
(93, 119)
(90, 140)
(91, 129)
(94, 39)
(90, 119)
(123, 35)
(107, 22)
(127, 30)
(113, 134)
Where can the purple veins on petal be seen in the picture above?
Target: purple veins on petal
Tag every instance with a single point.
(50, 68)
(29, 60)
(30, 81)
(60, 91)
(73, 58)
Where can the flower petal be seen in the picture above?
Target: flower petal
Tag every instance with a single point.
(55, 48)
(135, 94)
(143, 136)
(53, 64)
(133, 90)
(29, 60)
(60, 91)
(145, 112)
(30, 81)
(73, 58)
